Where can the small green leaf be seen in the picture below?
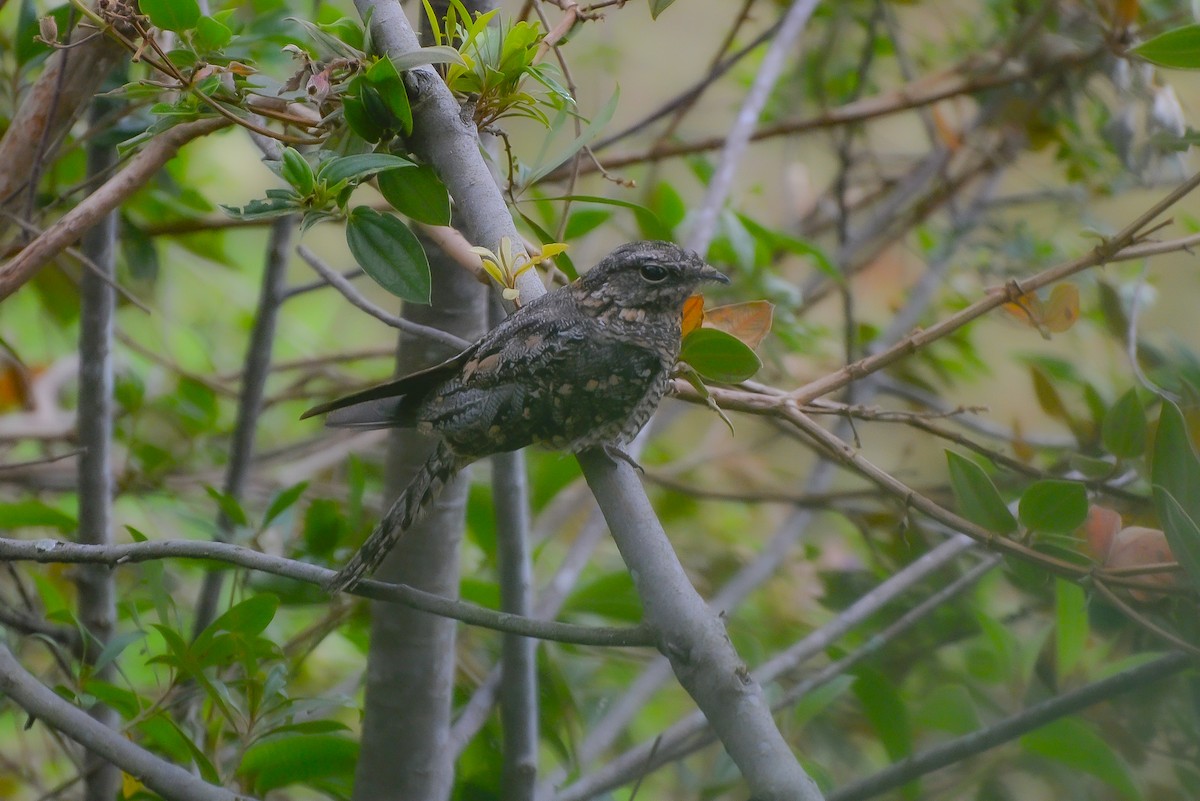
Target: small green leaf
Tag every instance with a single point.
(1124, 427)
(1182, 531)
(228, 505)
(360, 120)
(978, 500)
(267, 209)
(291, 759)
(612, 596)
(172, 15)
(358, 168)
(1178, 48)
(1174, 465)
(659, 6)
(323, 526)
(389, 253)
(283, 501)
(585, 138)
(211, 34)
(34, 513)
(386, 80)
(250, 617)
(885, 709)
(436, 54)
(114, 647)
(1053, 506)
(719, 356)
(296, 170)
(418, 194)
(1071, 631)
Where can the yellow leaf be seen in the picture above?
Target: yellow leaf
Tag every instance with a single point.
(130, 786)
(1062, 309)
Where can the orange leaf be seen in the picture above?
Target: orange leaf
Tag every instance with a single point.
(693, 313)
(750, 322)
(1124, 13)
(1055, 315)
(1027, 309)
(14, 387)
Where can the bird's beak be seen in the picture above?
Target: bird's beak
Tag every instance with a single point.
(710, 273)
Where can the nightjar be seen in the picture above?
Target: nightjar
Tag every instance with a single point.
(582, 366)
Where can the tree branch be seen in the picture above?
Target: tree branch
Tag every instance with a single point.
(50, 551)
(148, 161)
(168, 780)
(906, 770)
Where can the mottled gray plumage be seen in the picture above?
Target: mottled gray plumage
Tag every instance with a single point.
(582, 366)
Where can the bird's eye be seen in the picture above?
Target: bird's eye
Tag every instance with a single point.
(654, 273)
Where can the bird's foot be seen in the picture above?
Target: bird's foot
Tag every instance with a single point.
(616, 453)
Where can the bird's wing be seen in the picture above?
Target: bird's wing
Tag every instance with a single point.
(390, 405)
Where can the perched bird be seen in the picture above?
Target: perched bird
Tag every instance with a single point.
(580, 367)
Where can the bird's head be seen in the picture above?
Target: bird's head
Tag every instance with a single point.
(653, 276)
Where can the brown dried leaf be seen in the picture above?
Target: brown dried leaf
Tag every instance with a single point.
(750, 322)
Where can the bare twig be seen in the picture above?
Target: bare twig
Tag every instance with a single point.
(338, 282)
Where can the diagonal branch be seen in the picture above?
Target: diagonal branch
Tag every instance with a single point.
(168, 780)
(148, 161)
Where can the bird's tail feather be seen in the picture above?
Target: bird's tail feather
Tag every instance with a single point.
(426, 485)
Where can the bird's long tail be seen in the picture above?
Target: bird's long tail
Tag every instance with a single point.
(426, 485)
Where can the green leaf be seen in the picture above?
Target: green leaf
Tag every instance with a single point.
(719, 356)
(585, 138)
(1178, 48)
(389, 253)
(949, 708)
(612, 596)
(659, 6)
(248, 618)
(300, 758)
(1053, 506)
(386, 80)
(113, 648)
(357, 168)
(211, 34)
(977, 498)
(267, 209)
(1071, 631)
(1182, 531)
(359, 118)
(283, 501)
(436, 54)
(323, 526)
(296, 170)
(34, 513)
(645, 217)
(417, 193)
(1074, 744)
(1124, 429)
(229, 506)
(1174, 465)
(886, 711)
(172, 15)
